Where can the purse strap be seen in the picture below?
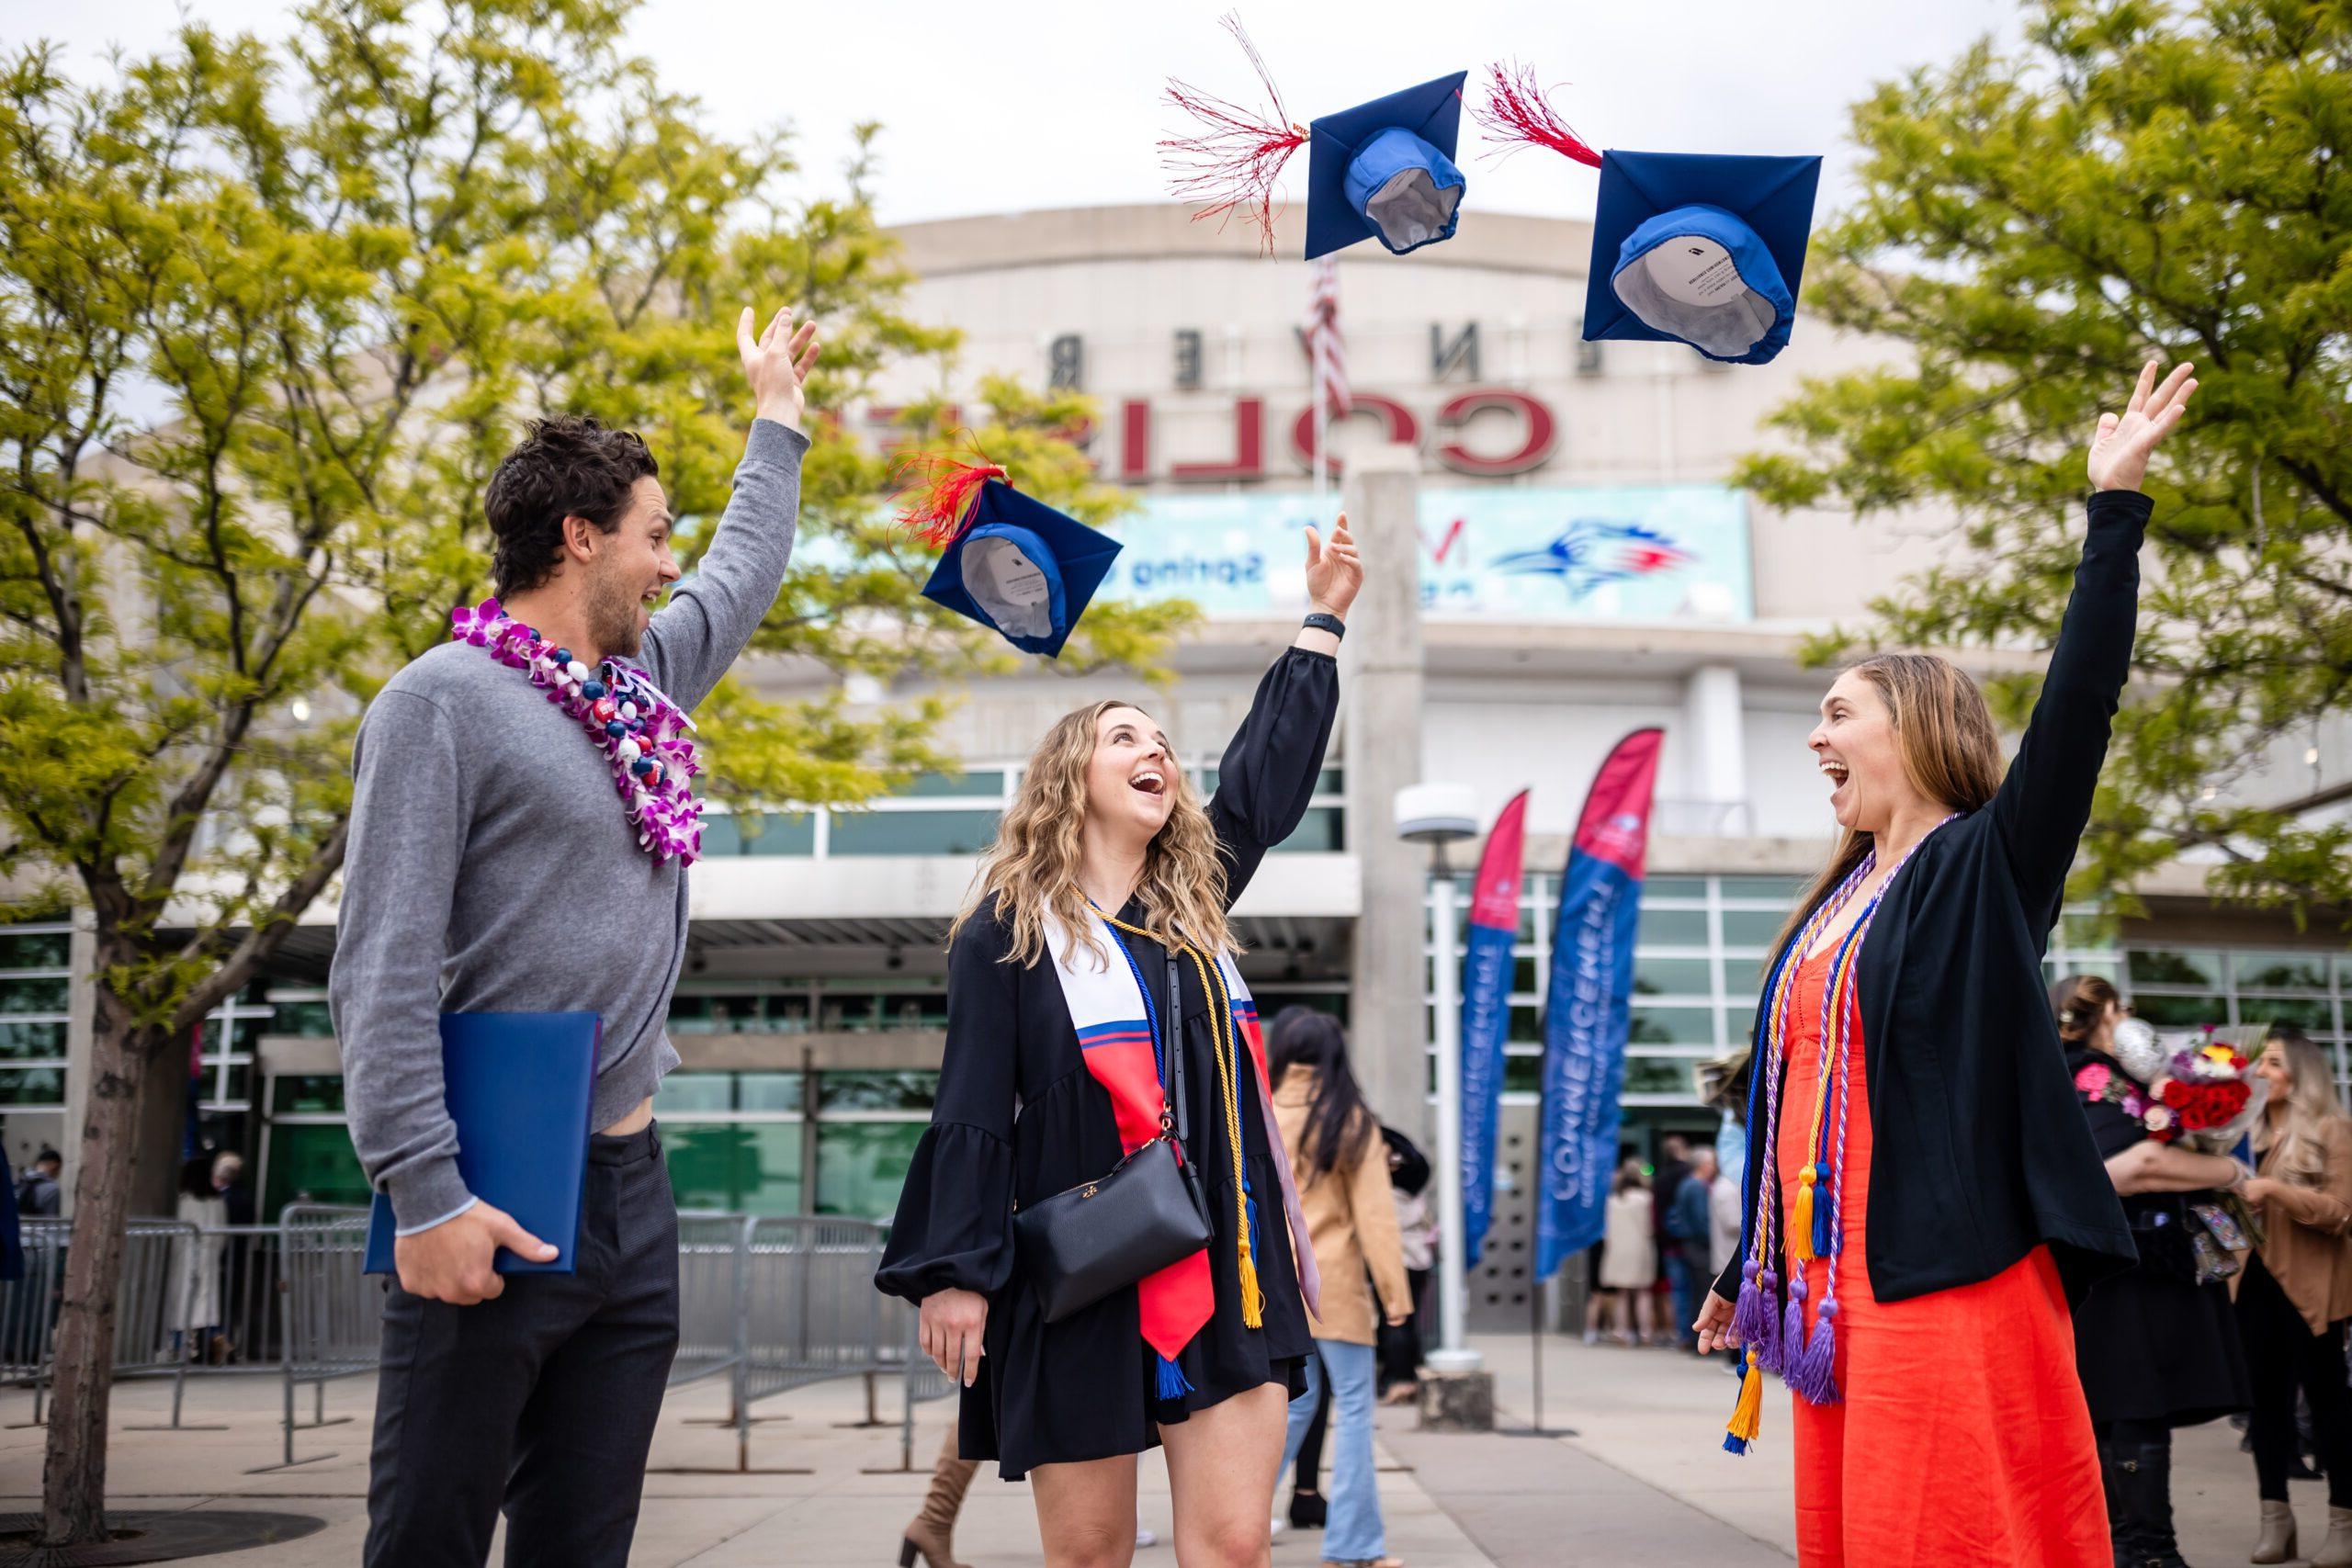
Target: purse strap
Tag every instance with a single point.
(1174, 1088)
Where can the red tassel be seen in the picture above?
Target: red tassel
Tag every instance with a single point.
(1234, 163)
(936, 491)
(1515, 111)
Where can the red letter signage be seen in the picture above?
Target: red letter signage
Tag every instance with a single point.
(1532, 449)
(1248, 447)
(1397, 420)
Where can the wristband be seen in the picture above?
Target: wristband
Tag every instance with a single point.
(1322, 621)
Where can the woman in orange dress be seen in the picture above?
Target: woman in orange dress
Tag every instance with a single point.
(1935, 1199)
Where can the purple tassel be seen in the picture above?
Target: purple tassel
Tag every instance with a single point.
(1825, 1215)
(1172, 1380)
(1815, 1379)
(1768, 1322)
(1747, 1310)
(1792, 1327)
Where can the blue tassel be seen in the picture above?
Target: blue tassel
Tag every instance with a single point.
(1172, 1380)
(1251, 1202)
(1735, 1445)
(1824, 1217)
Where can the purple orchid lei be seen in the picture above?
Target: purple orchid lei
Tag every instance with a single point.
(619, 708)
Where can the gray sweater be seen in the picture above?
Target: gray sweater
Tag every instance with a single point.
(492, 867)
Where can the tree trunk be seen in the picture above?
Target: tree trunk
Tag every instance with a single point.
(74, 1485)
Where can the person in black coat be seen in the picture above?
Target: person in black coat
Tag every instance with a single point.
(1107, 866)
(1978, 1157)
(2157, 1347)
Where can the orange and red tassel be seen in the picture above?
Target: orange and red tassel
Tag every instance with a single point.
(1515, 111)
(1233, 163)
(936, 491)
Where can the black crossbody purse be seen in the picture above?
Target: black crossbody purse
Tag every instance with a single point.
(1079, 1246)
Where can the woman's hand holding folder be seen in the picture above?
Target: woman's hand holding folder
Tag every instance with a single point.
(455, 1260)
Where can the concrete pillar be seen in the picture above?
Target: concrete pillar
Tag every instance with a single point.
(1381, 683)
(1715, 753)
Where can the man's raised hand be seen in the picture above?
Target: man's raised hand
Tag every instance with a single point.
(777, 362)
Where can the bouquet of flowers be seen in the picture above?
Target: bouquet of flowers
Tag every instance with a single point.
(2200, 1092)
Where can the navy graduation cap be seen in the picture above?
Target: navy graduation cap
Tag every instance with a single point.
(1380, 171)
(1706, 249)
(1011, 564)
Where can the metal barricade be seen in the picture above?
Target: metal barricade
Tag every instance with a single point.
(921, 1382)
(332, 1322)
(29, 1308)
(808, 1310)
(712, 1249)
(147, 1331)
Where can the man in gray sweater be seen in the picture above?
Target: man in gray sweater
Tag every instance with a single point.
(494, 867)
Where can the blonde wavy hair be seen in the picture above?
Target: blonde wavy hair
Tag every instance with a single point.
(2301, 1135)
(1031, 871)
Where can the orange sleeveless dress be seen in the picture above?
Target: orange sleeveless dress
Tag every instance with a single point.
(1963, 1437)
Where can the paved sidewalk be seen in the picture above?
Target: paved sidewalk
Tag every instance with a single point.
(1642, 1484)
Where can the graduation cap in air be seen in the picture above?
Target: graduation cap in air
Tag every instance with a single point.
(1382, 171)
(1011, 564)
(1706, 249)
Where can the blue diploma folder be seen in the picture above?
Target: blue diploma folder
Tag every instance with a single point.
(518, 1086)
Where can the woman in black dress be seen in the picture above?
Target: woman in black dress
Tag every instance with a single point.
(2157, 1349)
(1104, 822)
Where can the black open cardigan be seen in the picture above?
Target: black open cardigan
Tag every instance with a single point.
(1979, 1148)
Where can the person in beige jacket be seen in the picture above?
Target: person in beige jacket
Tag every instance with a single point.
(1342, 1163)
(2295, 1291)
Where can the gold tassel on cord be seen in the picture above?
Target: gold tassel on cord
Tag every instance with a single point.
(1746, 1416)
(1801, 1223)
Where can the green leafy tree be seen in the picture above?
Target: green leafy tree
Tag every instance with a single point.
(269, 316)
(2138, 181)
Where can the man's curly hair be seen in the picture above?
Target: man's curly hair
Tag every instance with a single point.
(569, 466)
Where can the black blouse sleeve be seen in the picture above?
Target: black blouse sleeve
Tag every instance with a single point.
(955, 1222)
(2112, 1131)
(1268, 771)
(2045, 802)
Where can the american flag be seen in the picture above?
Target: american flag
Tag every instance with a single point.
(1324, 344)
(1329, 352)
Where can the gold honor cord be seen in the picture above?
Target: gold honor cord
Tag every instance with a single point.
(1223, 1051)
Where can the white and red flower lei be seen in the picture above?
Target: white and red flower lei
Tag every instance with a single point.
(630, 719)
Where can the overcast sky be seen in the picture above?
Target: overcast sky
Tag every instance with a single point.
(1056, 103)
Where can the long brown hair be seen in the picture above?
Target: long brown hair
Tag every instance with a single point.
(2301, 1135)
(1950, 752)
(2080, 1001)
(1032, 868)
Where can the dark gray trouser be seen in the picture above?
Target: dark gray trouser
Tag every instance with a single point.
(543, 1400)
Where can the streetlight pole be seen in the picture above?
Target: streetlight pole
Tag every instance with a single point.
(1453, 1355)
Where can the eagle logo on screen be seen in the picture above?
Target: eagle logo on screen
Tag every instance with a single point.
(1590, 552)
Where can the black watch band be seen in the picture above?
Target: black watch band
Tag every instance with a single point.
(1322, 621)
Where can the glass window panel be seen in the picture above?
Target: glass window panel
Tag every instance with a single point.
(912, 832)
(295, 1092)
(32, 1086)
(716, 1012)
(862, 1164)
(239, 1092)
(909, 1090)
(311, 1165)
(33, 996)
(2164, 966)
(32, 1042)
(1525, 975)
(770, 1091)
(682, 1094)
(1331, 781)
(1659, 1075)
(2281, 971)
(744, 1167)
(308, 1021)
(979, 780)
(914, 1011)
(1527, 1024)
(35, 950)
(1783, 890)
(1656, 1025)
(2313, 1015)
(1321, 831)
(2180, 1013)
(1673, 977)
(1693, 888)
(1523, 1075)
(2085, 932)
(1751, 927)
(2107, 969)
(1672, 928)
(1739, 1025)
(845, 1010)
